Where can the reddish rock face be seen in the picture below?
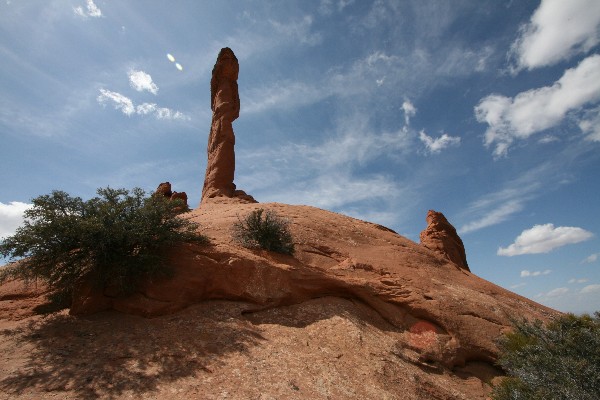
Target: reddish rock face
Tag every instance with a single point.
(225, 105)
(164, 189)
(444, 315)
(180, 196)
(441, 237)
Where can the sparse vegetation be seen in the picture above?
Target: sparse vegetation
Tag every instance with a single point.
(264, 230)
(560, 360)
(118, 239)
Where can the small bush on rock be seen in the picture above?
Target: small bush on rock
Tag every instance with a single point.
(118, 239)
(560, 360)
(264, 230)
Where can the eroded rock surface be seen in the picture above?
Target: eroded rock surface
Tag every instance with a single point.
(441, 237)
(451, 316)
(355, 300)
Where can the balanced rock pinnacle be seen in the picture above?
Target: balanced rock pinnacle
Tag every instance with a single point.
(225, 105)
(441, 237)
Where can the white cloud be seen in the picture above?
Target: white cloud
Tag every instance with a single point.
(496, 207)
(140, 81)
(557, 30)
(543, 239)
(591, 258)
(409, 111)
(590, 289)
(535, 110)
(525, 273)
(326, 7)
(548, 139)
(280, 95)
(557, 292)
(494, 216)
(575, 280)
(590, 124)
(437, 145)
(126, 106)
(298, 30)
(11, 217)
(91, 10)
(121, 102)
(518, 285)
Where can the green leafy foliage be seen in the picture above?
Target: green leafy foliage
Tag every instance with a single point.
(118, 239)
(560, 360)
(264, 230)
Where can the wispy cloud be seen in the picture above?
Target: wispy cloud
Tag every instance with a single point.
(11, 217)
(591, 258)
(581, 280)
(140, 81)
(329, 173)
(496, 207)
(536, 110)
(91, 10)
(557, 30)
(299, 30)
(561, 291)
(591, 289)
(543, 239)
(127, 107)
(409, 111)
(280, 95)
(437, 145)
(590, 124)
(526, 274)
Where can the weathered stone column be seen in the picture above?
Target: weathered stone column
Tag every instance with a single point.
(225, 105)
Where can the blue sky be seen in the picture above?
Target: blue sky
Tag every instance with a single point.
(487, 111)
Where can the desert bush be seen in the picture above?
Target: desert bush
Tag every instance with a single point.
(264, 230)
(118, 239)
(560, 360)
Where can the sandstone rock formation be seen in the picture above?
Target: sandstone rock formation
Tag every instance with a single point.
(164, 189)
(225, 105)
(413, 289)
(441, 237)
(359, 312)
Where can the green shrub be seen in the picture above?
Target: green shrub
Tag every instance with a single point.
(265, 230)
(118, 239)
(560, 360)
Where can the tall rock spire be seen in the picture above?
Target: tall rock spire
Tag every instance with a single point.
(225, 105)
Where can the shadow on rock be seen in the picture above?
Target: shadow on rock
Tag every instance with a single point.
(111, 354)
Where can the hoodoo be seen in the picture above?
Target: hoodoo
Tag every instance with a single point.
(441, 237)
(225, 106)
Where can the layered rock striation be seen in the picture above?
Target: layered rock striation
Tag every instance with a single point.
(441, 237)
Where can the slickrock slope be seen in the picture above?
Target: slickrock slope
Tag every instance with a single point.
(439, 318)
(359, 312)
(441, 237)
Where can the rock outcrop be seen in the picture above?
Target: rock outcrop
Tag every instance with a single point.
(441, 237)
(164, 189)
(225, 105)
(447, 316)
